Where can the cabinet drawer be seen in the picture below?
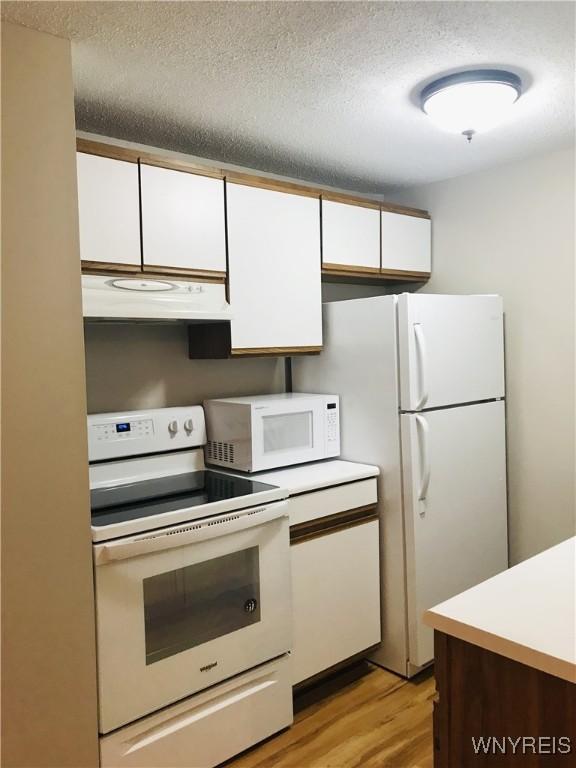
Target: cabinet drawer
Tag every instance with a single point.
(329, 501)
(336, 598)
(208, 728)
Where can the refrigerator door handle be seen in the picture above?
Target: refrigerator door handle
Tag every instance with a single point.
(422, 360)
(423, 429)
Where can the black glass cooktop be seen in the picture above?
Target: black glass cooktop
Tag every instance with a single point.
(167, 494)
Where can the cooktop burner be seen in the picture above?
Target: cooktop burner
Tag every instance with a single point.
(145, 498)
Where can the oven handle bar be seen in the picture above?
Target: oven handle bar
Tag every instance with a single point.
(189, 533)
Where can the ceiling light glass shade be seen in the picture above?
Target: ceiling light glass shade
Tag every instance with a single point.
(471, 102)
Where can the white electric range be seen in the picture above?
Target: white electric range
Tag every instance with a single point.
(192, 580)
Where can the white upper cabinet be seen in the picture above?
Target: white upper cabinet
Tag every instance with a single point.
(406, 242)
(274, 269)
(350, 236)
(182, 220)
(109, 211)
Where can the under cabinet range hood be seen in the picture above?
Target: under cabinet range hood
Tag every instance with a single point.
(139, 299)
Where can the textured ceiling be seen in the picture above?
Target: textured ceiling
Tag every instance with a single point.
(322, 91)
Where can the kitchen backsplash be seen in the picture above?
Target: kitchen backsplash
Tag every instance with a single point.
(145, 366)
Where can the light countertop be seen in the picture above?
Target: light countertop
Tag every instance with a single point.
(527, 613)
(303, 478)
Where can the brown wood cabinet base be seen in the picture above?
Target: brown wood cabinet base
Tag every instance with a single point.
(366, 275)
(110, 268)
(213, 340)
(274, 351)
(525, 717)
(152, 273)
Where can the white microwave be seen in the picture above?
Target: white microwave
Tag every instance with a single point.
(261, 432)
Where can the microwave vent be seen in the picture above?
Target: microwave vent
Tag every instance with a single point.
(220, 451)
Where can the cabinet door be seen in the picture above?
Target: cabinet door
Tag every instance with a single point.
(336, 598)
(350, 236)
(109, 210)
(406, 242)
(274, 270)
(182, 221)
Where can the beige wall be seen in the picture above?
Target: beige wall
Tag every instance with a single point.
(510, 231)
(48, 653)
(131, 366)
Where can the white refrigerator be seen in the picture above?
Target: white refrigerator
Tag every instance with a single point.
(421, 385)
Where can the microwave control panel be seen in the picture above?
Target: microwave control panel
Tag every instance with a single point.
(332, 429)
(332, 422)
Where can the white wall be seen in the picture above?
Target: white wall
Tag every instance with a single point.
(147, 366)
(510, 230)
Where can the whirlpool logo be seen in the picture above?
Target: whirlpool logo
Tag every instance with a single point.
(208, 667)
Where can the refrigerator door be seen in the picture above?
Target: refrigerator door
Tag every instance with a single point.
(454, 470)
(451, 350)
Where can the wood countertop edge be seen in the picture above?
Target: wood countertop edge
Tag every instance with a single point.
(530, 657)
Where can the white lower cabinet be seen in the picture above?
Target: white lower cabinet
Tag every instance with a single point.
(336, 597)
(208, 728)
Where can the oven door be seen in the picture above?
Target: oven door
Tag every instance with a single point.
(290, 433)
(182, 608)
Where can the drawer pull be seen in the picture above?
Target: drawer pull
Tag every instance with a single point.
(323, 526)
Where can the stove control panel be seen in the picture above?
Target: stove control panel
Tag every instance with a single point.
(135, 433)
(123, 430)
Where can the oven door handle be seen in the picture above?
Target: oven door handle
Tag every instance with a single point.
(189, 533)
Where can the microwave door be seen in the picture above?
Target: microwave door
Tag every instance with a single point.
(284, 437)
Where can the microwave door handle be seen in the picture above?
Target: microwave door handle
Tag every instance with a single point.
(188, 533)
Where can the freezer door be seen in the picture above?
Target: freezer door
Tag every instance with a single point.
(451, 350)
(455, 508)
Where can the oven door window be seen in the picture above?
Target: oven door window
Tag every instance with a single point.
(193, 605)
(288, 432)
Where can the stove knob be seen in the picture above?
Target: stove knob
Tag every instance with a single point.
(173, 427)
(189, 426)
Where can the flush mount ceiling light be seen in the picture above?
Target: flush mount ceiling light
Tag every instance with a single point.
(472, 101)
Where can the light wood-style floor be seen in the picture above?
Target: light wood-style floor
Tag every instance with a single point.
(377, 720)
